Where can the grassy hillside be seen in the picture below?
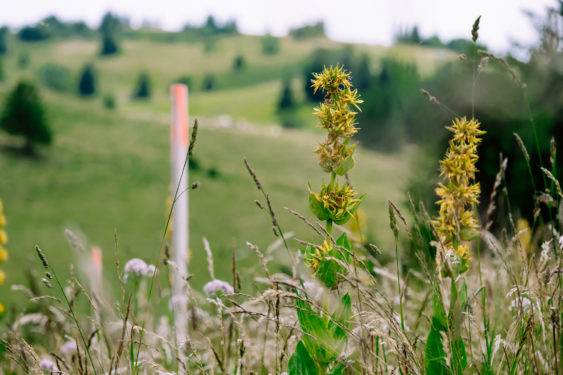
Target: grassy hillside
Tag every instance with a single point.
(109, 173)
(109, 170)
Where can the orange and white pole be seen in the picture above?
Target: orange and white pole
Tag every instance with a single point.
(179, 139)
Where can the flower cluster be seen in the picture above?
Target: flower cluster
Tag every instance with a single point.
(335, 203)
(137, 267)
(217, 288)
(458, 196)
(3, 251)
(337, 116)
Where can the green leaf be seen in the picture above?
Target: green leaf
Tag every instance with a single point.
(338, 369)
(344, 242)
(317, 208)
(301, 362)
(434, 355)
(459, 359)
(328, 269)
(340, 321)
(346, 164)
(317, 338)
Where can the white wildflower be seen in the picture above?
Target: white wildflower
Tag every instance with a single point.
(138, 267)
(561, 242)
(69, 348)
(150, 270)
(515, 304)
(546, 246)
(48, 365)
(217, 287)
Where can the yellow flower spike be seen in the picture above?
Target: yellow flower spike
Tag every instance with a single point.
(3, 255)
(2, 277)
(2, 309)
(3, 237)
(2, 220)
(460, 194)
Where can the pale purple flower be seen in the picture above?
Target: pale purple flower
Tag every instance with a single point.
(48, 365)
(138, 267)
(69, 348)
(217, 287)
(150, 270)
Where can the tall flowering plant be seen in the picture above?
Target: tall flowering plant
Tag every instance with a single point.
(335, 202)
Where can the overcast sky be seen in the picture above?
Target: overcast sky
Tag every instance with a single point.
(364, 21)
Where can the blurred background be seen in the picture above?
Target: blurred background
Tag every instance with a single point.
(85, 112)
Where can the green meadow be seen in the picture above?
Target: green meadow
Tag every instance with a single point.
(108, 171)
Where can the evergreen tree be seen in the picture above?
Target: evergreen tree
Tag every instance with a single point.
(87, 82)
(109, 30)
(286, 98)
(143, 88)
(109, 44)
(3, 40)
(239, 63)
(24, 115)
(362, 76)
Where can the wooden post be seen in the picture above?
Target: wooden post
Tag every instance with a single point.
(179, 139)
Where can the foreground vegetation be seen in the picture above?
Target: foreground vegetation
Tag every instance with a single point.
(463, 293)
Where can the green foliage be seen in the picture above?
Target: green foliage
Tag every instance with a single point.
(109, 101)
(24, 116)
(328, 270)
(184, 80)
(407, 36)
(143, 87)
(4, 34)
(286, 100)
(325, 334)
(110, 28)
(239, 63)
(301, 362)
(209, 83)
(1, 70)
(210, 29)
(109, 44)
(23, 60)
(36, 33)
(270, 44)
(87, 81)
(56, 77)
(308, 31)
(386, 121)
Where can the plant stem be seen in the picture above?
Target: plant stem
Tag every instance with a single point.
(399, 284)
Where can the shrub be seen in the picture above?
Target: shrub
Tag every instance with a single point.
(56, 77)
(143, 87)
(286, 100)
(109, 101)
(34, 33)
(270, 45)
(24, 116)
(208, 83)
(239, 63)
(87, 81)
(185, 80)
(23, 60)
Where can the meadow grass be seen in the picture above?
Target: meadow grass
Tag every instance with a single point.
(109, 172)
